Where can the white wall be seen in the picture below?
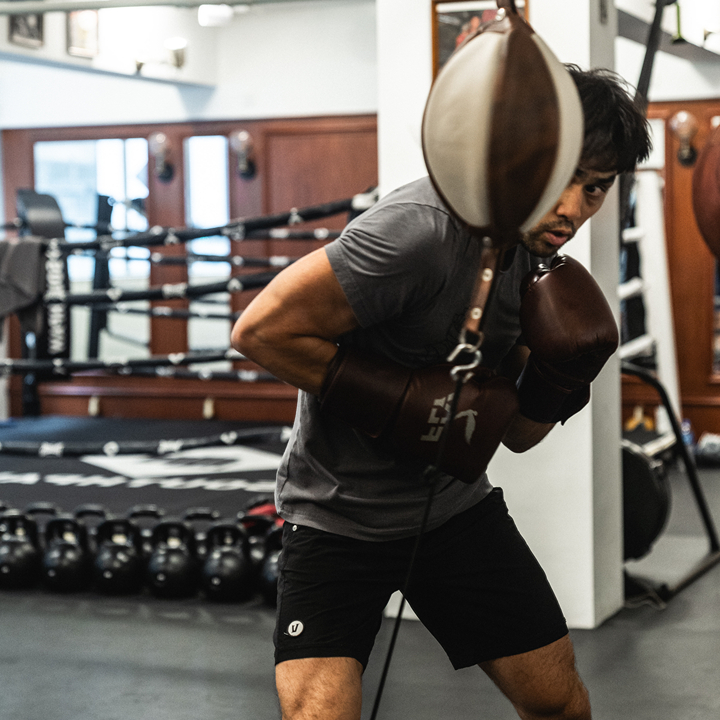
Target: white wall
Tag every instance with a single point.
(126, 35)
(675, 78)
(302, 58)
(404, 79)
(279, 60)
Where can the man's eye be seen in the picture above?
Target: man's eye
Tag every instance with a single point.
(595, 190)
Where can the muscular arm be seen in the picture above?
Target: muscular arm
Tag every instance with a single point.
(291, 326)
(522, 433)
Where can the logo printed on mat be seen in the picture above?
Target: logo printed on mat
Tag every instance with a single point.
(295, 628)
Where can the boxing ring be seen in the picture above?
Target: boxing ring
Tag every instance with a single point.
(198, 474)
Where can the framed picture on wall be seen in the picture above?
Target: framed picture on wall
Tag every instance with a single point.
(26, 30)
(454, 21)
(82, 33)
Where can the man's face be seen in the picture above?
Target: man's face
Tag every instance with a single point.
(580, 200)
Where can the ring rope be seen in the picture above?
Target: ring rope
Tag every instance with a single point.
(140, 447)
(163, 292)
(166, 312)
(63, 367)
(279, 261)
(235, 230)
(249, 376)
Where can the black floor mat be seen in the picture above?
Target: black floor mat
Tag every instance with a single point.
(224, 478)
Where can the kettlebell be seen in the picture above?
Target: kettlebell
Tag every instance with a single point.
(19, 550)
(258, 518)
(268, 580)
(228, 574)
(256, 528)
(66, 562)
(173, 569)
(200, 519)
(145, 517)
(90, 515)
(118, 564)
(41, 512)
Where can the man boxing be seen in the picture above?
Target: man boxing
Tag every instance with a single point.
(360, 327)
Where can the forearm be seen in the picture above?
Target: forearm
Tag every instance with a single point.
(524, 434)
(301, 361)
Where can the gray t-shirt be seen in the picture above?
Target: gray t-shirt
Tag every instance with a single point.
(407, 268)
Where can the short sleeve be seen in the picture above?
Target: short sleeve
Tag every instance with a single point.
(390, 259)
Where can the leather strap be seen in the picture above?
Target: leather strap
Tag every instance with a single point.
(471, 335)
(474, 320)
(508, 5)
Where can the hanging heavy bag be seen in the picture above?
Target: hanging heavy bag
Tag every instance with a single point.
(706, 192)
(646, 500)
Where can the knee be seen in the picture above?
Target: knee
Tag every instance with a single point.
(328, 688)
(573, 705)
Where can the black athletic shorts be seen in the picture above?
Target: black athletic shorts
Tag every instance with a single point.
(476, 586)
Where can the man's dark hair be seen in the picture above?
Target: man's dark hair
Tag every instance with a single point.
(617, 135)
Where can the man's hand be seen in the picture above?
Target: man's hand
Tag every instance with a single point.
(410, 408)
(570, 330)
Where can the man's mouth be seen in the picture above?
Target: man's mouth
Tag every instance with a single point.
(557, 237)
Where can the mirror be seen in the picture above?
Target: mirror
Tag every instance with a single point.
(91, 179)
(207, 204)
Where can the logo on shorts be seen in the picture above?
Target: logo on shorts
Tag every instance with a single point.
(295, 628)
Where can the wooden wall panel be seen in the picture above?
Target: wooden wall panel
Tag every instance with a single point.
(300, 162)
(166, 207)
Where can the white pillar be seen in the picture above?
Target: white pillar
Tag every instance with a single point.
(404, 50)
(565, 494)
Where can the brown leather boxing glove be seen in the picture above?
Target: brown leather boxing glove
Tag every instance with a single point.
(409, 409)
(570, 331)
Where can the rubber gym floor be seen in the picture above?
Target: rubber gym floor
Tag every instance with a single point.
(89, 657)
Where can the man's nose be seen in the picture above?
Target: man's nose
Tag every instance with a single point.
(570, 203)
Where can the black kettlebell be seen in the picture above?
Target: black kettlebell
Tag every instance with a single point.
(41, 512)
(228, 574)
(256, 528)
(91, 515)
(145, 517)
(200, 519)
(66, 561)
(19, 550)
(173, 569)
(268, 580)
(118, 564)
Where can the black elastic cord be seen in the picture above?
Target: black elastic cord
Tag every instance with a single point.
(431, 475)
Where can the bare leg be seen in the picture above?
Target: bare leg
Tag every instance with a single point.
(320, 688)
(543, 683)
